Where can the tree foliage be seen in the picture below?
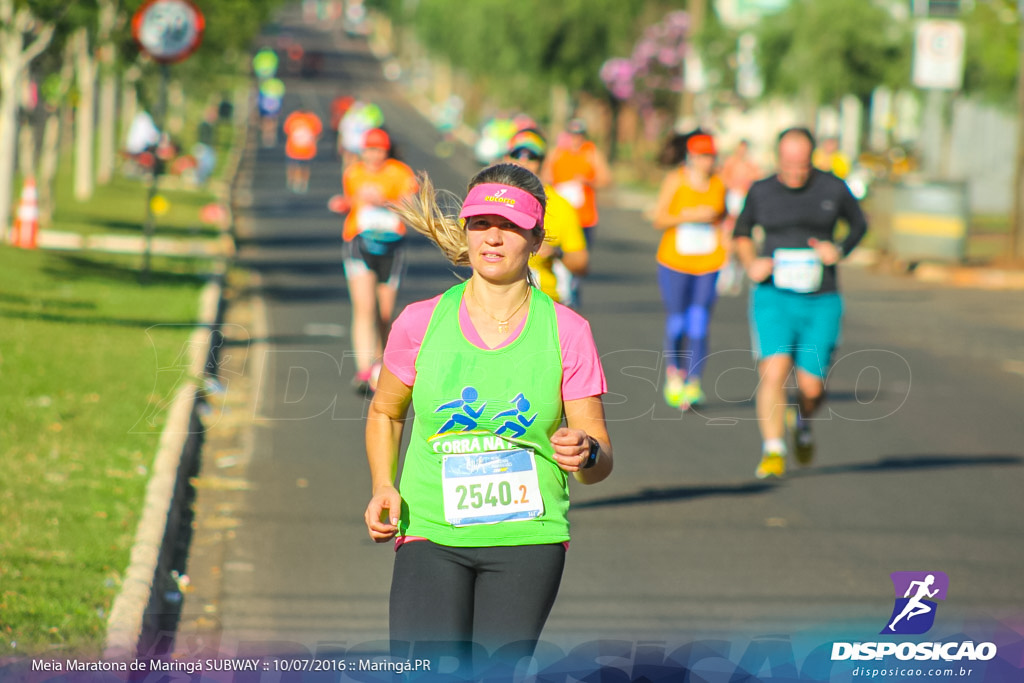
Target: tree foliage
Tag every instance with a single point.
(991, 58)
(716, 44)
(821, 51)
(519, 48)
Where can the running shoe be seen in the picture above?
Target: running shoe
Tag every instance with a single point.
(673, 390)
(693, 395)
(361, 382)
(804, 447)
(772, 465)
(803, 439)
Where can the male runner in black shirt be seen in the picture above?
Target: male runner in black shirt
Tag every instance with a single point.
(795, 306)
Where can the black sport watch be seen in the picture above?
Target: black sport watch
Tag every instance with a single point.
(595, 448)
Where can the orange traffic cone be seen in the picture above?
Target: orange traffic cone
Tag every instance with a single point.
(26, 222)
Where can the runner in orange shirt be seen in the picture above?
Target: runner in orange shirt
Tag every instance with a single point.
(374, 258)
(302, 129)
(576, 167)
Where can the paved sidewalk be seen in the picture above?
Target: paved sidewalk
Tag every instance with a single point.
(221, 246)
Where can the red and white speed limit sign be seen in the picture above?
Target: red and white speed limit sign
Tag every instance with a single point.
(168, 30)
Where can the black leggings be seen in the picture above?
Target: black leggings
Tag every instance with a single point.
(491, 596)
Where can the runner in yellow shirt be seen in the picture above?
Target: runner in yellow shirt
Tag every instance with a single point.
(564, 241)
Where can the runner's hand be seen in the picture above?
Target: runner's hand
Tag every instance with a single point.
(827, 251)
(382, 514)
(760, 269)
(370, 194)
(572, 448)
(702, 214)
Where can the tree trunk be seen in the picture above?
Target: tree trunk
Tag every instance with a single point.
(85, 120)
(8, 124)
(613, 133)
(129, 98)
(1016, 245)
(106, 151)
(561, 106)
(14, 60)
(50, 151)
(26, 148)
(48, 157)
(106, 148)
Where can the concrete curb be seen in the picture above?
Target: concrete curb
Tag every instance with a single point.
(130, 244)
(180, 444)
(970, 278)
(127, 614)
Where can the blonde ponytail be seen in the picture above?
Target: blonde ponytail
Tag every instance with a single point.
(422, 213)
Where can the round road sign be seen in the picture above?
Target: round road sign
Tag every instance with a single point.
(168, 30)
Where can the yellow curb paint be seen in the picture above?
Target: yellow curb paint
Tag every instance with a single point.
(928, 225)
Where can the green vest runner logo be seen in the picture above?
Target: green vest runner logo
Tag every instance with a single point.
(466, 417)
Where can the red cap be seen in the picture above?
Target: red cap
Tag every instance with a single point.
(377, 137)
(701, 144)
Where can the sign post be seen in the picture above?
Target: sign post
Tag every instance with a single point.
(168, 31)
(938, 69)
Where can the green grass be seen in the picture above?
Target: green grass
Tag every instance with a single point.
(87, 360)
(88, 364)
(119, 208)
(90, 358)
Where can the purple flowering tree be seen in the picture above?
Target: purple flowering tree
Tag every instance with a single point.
(652, 77)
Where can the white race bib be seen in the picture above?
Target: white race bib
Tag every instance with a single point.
(303, 136)
(377, 219)
(798, 270)
(696, 239)
(734, 202)
(491, 487)
(573, 192)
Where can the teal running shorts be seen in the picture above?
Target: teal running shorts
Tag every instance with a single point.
(804, 326)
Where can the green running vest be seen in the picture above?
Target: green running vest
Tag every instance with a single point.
(499, 402)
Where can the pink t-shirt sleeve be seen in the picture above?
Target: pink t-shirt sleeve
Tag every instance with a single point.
(405, 339)
(582, 374)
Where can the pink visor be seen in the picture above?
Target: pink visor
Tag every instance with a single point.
(519, 206)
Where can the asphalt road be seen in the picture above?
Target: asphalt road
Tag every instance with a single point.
(920, 465)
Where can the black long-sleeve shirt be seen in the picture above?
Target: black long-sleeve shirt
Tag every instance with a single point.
(792, 216)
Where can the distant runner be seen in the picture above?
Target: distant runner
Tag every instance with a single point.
(795, 306)
(689, 213)
(576, 167)
(374, 257)
(302, 130)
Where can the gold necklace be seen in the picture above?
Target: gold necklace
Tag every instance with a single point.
(502, 324)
